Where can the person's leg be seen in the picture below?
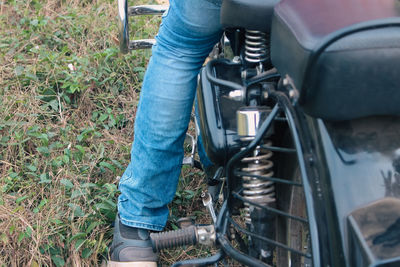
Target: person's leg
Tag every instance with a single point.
(186, 36)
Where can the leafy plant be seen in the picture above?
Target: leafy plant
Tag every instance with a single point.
(67, 105)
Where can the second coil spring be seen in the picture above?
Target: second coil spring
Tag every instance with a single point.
(255, 189)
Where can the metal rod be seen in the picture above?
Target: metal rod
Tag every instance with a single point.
(285, 214)
(124, 26)
(293, 122)
(222, 227)
(200, 262)
(208, 203)
(266, 178)
(267, 240)
(238, 255)
(147, 10)
(263, 77)
(280, 119)
(279, 149)
(141, 44)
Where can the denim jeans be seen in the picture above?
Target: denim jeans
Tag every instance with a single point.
(188, 32)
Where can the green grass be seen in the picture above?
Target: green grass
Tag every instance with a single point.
(65, 135)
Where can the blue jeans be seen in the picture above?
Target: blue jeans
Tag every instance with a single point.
(187, 34)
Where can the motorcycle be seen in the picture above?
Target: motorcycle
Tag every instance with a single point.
(299, 110)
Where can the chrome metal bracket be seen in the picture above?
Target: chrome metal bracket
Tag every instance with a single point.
(193, 143)
(208, 203)
(141, 44)
(206, 235)
(147, 10)
(124, 12)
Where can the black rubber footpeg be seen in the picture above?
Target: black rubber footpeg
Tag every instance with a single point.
(172, 239)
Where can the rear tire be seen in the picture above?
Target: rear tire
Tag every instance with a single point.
(293, 233)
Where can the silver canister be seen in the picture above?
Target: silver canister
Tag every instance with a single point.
(249, 120)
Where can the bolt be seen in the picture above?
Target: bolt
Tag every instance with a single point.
(285, 82)
(236, 59)
(236, 95)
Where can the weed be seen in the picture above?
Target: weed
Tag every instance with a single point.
(67, 106)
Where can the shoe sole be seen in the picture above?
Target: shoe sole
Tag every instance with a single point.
(131, 264)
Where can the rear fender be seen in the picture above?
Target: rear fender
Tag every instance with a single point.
(358, 166)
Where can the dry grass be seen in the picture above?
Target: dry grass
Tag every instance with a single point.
(65, 134)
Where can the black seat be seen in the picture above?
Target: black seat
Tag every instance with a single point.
(248, 14)
(342, 55)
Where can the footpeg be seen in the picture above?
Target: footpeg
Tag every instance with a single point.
(190, 235)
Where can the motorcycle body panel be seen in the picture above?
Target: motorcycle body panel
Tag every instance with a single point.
(218, 116)
(357, 164)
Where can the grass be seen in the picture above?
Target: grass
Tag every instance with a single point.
(68, 101)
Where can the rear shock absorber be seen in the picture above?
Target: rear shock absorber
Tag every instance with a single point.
(258, 163)
(254, 189)
(256, 47)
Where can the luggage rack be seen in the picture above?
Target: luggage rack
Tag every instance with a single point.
(124, 13)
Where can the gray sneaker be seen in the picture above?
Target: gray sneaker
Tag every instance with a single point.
(131, 247)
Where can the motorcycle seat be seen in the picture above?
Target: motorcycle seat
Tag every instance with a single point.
(343, 56)
(248, 14)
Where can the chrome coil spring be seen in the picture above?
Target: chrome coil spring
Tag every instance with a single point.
(256, 49)
(254, 189)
